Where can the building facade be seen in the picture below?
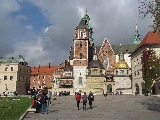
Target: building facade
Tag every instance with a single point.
(14, 75)
(42, 76)
(122, 76)
(151, 40)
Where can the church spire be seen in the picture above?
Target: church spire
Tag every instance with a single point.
(86, 20)
(137, 36)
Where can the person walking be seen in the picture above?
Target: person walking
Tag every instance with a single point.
(84, 97)
(90, 98)
(105, 94)
(78, 99)
(49, 97)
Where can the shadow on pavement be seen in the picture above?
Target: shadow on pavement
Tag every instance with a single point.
(54, 111)
(94, 106)
(152, 104)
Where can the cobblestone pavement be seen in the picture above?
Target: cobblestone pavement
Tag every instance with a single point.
(114, 107)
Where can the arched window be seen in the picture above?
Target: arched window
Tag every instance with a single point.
(80, 45)
(80, 55)
(81, 34)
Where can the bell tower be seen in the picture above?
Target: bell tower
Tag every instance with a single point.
(82, 42)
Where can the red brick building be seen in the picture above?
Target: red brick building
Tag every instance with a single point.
(42, 76)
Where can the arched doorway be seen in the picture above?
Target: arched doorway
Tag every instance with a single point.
(137, 89)
(109, 88)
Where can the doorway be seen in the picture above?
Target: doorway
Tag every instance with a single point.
(109, 88)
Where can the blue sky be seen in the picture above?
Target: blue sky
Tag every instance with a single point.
(42, 31)
(33, 16)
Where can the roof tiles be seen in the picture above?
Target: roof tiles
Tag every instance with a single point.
(43, 70)
(152, 38)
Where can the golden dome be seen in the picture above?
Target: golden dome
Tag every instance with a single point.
(121, 64)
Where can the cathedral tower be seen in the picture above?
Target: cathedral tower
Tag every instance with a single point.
(82, 43)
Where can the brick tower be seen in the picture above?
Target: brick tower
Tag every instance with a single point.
(83, 45)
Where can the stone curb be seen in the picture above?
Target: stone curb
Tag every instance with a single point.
(24, 114)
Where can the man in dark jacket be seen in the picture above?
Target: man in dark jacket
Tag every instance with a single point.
(43, 100)
(90, 98)
(84, 97)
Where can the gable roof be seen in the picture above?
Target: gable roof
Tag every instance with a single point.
(152, 38)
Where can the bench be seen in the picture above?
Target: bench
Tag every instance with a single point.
(31, 110)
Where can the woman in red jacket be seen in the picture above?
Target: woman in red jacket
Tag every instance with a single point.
(78, 98)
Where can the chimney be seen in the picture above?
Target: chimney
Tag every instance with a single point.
(49, 65)
(39, 65)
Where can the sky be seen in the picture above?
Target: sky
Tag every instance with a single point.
(42, 31)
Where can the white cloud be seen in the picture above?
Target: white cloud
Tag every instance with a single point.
(8, 6)
(81, 11)
(116, 19)
(29, 27)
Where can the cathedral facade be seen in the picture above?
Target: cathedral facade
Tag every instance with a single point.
(93, 67)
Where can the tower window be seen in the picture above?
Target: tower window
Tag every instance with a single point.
(85, 21)
(80, 55)
(80, 44)
(81, 34)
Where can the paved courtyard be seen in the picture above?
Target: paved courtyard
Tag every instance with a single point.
(115, 107)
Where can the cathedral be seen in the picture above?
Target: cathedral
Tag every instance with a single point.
(96, 68)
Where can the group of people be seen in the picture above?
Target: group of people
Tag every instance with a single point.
(41, 101)
(84, 98)
(64, 93)
(5, 93)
